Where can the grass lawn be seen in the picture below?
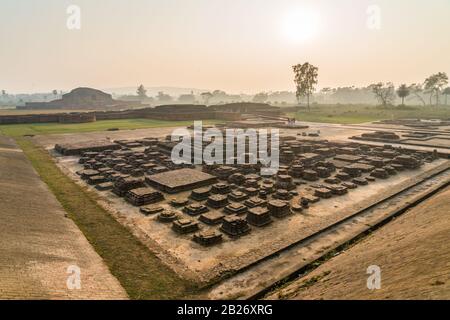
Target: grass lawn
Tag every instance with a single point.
(351, 114)
(16, 130)
(138, 270)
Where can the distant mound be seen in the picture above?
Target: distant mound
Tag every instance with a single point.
(81, 98)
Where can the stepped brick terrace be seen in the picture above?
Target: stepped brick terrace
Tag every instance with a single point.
(206, 221)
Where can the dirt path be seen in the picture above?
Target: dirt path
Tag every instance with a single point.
(38, 243)
(412, 252)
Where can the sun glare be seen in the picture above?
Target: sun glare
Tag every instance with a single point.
(301, 25)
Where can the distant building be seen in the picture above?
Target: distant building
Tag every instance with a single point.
(82, 98)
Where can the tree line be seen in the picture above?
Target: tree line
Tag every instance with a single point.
(435, 86)
(433, 91)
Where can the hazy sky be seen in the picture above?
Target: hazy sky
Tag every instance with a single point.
(234, 45)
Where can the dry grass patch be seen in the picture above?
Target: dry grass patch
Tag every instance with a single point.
(139, 271)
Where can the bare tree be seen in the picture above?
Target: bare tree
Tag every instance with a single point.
(417, 90)
(305, 80)
(403, 92)
(141, 92)
(446, 92)
(434, 84)
(384, 93)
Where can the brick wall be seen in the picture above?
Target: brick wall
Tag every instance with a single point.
(129, 114)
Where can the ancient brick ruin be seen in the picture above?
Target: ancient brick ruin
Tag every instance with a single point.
(211, 204)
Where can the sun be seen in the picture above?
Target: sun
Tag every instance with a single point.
(300, 25)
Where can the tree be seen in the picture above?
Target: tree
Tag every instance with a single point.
(305, 80)
(187, 98)
(3, 93)
(403, 92)
(55, 92)
(141, 92)
(417, 90)
(326, 90)
(164, 98)
(260, 97)
(434, 84)
(446, 92)
(219, 96)
(206, 96)
(384, 93)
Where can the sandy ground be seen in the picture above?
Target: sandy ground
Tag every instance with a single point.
(343, 133)
(203, 264)
(334, 132)
(201, 261)
(39, 245)
(412, 252)
(49, 141)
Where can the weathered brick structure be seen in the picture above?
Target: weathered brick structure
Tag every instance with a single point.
(180, 180)
(184, 226)
(143, 196)
(80, 98)
(235, 226)
(259, 216)
(208, 238)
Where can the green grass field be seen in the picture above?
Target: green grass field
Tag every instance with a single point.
(16, 130)
(139, 271)
(352, 114)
